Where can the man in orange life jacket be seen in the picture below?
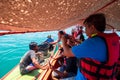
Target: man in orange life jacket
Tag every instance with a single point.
(97, 58)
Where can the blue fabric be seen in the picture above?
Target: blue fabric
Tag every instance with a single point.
(49, 40)
(94, 48)
(79, 76)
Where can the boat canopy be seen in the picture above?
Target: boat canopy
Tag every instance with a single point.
(47, 15)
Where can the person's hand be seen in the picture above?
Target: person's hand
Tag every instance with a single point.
(47, 66)
(51, 43)
(51, 67)
(70, 42)
(39, 53)
(36, 62)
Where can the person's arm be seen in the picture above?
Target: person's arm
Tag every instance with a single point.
(67, 50)
(37, 65)
(55, 42)
(61, 74)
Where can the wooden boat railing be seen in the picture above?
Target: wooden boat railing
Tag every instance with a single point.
(46, 74)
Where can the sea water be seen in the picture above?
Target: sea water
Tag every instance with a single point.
(13, 47)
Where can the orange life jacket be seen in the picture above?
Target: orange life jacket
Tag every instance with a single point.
(96, 70)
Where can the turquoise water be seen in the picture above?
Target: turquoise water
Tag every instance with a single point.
(13, 47)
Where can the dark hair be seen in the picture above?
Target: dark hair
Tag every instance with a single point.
(98, 20)
(61, 32)
(32, 45)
